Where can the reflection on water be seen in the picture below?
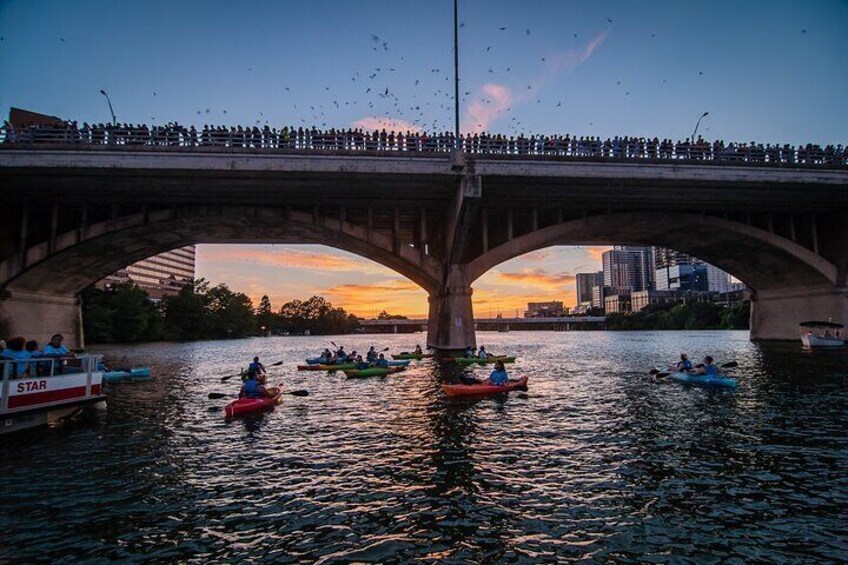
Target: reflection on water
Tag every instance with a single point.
(596, 462)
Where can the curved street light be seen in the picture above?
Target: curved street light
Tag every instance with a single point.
(103, 92)
(704, 115)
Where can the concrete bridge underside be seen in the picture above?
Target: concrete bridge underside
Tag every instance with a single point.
(73, 217)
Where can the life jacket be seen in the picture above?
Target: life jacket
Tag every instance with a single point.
(251, 389)
(710, 369)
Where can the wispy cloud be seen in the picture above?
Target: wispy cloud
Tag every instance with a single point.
(567, 61)
(596, 253)
(396, 296)
(538, 278)
(288, 258)
(494, 100)
(371, 123)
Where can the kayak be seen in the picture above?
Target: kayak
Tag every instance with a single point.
(134, 374)
(706, 380)
(412, 356)
(339, 367)
(399, 363)
(316, 360)
(481, 389)
(373, 372)
(249, 405)
(472, 360)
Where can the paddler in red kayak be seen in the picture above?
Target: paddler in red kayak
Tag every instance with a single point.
(499, 376)
(252, 388)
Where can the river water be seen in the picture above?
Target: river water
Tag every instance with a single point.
(597, 462)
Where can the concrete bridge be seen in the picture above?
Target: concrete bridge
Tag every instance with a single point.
(500, 324)
(74, 213)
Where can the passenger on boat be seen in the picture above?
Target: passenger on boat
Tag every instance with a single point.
(483, 354)
(36, 369)
(57, 350)
(418, 350)
(371, 355)
(16, 351)
(255, 369)
(469, 352)
(382, 362)
(253, 389)
(708, 368)
(499, 376)
(684, 364)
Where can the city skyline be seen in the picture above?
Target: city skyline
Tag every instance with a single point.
(563, 68)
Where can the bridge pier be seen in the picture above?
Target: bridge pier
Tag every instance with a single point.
(775, 315)
(39, 316)
(450, 326)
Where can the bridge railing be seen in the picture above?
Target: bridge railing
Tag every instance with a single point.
(618, 149)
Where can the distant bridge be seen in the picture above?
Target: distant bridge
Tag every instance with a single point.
(500, 324)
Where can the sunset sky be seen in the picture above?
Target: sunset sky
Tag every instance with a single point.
(772, 71)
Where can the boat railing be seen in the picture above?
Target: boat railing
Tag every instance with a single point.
(40, 369)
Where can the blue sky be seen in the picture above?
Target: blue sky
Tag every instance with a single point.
(769, 71)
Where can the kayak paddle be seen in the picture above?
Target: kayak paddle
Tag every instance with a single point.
(218, 395)
(730, 365)
(228, 377)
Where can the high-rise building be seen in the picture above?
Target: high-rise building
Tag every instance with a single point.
(629, 266)
(161, 275)
(585, 283)
(667, 259)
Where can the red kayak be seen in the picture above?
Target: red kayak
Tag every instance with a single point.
(248, 405)
(481, 389)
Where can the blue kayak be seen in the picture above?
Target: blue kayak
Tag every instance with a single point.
(399, 363)
(317, 361)
(134, 374)
(705, 380)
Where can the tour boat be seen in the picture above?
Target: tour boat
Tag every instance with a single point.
(34, 393)
(819, 334)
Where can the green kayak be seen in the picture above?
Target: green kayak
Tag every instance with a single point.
(372, 372)
(471, 360)
(412, 356)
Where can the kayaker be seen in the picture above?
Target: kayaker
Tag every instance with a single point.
(371, 355)
(418, 350)
(483, 354)
(256, 369)
(382, 362)
(340, 354)
(469, 352)
(253, 389)
(499, 376)
(708, 368)
(361, 363)
(684, 364)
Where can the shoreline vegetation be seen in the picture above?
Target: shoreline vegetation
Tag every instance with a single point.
(125, 314)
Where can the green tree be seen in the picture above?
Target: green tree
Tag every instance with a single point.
(736, 316)
(96, 316)
(129, 311)
(386, 316)
(185, 314)
(230, 313)
(265, 317)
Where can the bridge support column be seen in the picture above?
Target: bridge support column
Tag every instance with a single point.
(450, 327)
(39, 316)
(775, 315)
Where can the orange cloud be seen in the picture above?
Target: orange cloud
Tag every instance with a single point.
(536, 256)
(371, 123)
(396, 296)
(596, 253)
(569, 60)
(538, 278)
(494, 100)
(289, 258)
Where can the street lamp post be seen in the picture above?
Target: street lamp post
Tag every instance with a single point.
(111, 111)
(704, 115)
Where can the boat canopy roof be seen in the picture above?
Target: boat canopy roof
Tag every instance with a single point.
(815, 324)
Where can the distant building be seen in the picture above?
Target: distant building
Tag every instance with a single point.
(585, 283)
(717, 280)
(545, 310)
(644, 298)
(161, 275)
(619, 302)
(628, 266)
(683, 277)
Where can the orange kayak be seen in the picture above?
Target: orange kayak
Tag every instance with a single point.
(248, 405)
(482, 389)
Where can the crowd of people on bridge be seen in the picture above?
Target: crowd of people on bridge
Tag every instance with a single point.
(311, 139)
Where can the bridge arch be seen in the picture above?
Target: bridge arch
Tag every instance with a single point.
(761, 259)
(40, 286)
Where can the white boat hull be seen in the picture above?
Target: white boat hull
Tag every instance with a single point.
(812, 340)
